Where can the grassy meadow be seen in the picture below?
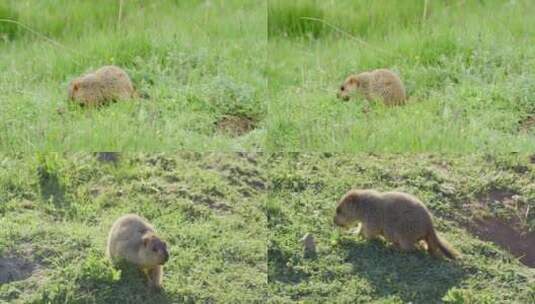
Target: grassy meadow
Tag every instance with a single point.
(56, 211)
(490, 197)
(233, 224)
(468, 67)
(201, 63)
(260, 77)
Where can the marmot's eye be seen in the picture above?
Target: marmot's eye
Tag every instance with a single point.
(155, 249)
(342, 88)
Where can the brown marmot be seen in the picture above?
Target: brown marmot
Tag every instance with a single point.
(133, 239)
(109, 83)
(401, 218)
(379, 84)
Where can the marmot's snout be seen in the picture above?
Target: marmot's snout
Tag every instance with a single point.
(341, 222)
(165, 257)
(342, 94)
(342, 97)
(160, 247)
(335, 221)
(340, 217)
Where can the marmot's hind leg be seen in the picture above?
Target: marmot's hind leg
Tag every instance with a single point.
(422, 244)
(407, 245)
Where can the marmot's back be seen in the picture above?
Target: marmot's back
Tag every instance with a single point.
(117, 83)
(386, 85)
(106, 84)
(125, 237)
(406, 214)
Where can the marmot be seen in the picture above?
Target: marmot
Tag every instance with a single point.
(109, 83)
(380, 84)
(401, 218)
(133, 239)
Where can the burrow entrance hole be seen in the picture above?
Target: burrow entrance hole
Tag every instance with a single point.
(506, 233)
(235, 125)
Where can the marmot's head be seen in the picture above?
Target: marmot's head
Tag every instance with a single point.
(74, 86)
(350, 208)
(84, 89)
(153, 251)
(353, 84)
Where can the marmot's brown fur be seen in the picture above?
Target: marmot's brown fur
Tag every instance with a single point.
(379, 84)
(401, 218)
(133, 239)
(109, 83)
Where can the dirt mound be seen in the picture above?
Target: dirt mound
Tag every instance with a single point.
(213, 200)
(520, 244)
(527, 124)
(235, 125)
(15, 269)
(496, 195)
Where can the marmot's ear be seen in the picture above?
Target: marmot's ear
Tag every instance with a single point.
(354, 80)
(75, 86)
(146, 240)
(353, 199)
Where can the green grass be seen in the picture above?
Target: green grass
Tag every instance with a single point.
(467, 68)
(347, 269)
(56, 211)
(198, 61)
(233, 223)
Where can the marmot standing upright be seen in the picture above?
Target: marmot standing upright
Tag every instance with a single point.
(133, 240)
(401, 218)
(109, 83)
(380, 84)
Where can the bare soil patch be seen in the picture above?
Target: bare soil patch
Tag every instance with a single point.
(527, 124)
(506, 233)
(235, 125)
(15, 269)
(519, 243)
(496, 195)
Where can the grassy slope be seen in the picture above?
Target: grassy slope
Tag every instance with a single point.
(56, 210)
(468, 70)
(347, 269)
(198, 60)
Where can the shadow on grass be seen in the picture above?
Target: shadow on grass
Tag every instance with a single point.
(413, 277)
(279, 268)
(108, 157)
(131, 288)
(51, 187)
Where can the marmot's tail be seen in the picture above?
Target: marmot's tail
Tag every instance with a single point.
(434, 242)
